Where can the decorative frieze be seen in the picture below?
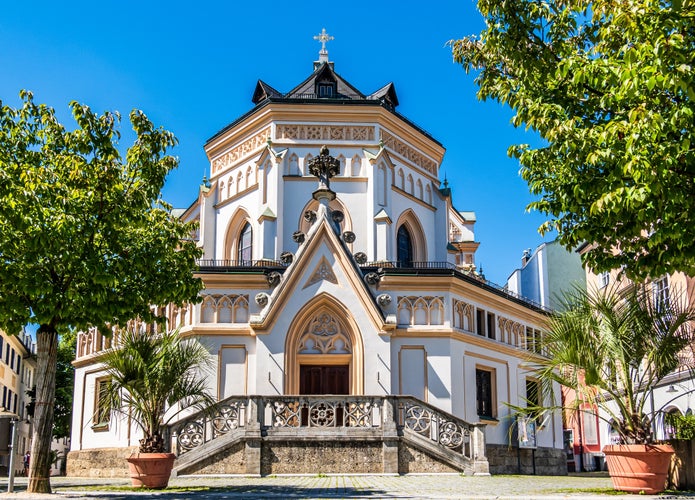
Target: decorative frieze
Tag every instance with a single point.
(414, 310)
(407, 152)
(224, 308)
(326, 132)
(241, 151)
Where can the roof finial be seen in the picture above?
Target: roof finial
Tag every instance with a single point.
(323, 37)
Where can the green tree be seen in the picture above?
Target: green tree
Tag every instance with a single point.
(84, 238)
(153, 376)
(65, 384)
(609, 86)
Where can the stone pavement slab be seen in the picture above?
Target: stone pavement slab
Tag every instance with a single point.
(439, 486)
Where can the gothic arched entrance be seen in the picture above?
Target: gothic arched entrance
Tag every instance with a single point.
(324, 353)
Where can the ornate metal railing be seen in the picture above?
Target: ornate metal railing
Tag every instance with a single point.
(224, 263)
(311, 415)
(411, 264)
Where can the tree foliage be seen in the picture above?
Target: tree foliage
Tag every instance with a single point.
(610, 88)
(153, 376)
(85, 239)
(612, 347)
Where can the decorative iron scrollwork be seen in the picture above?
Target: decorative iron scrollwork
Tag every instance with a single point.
(310, 216)
(298, 237)
(349, 237)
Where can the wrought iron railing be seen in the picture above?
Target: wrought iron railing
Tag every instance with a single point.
(225, 263)
(212, 265)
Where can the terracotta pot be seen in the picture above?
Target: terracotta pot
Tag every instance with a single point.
(151, 470)
(639, 467)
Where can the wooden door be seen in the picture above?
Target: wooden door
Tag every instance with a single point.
(330, 379)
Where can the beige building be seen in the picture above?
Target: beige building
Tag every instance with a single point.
(341, 305)
(17, 366)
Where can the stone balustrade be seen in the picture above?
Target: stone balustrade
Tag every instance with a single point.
(386, 419)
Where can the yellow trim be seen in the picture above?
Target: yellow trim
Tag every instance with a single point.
(410, 220)
(289, 113)
(493, 389)
(236, 196)
(490, 359)
(413, 198)
(287, 287)
(293, 360)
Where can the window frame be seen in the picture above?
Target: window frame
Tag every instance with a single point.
(244, 249)
(101, 418)
(489, 396)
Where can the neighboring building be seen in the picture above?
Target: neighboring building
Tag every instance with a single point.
(586, 434)
(546, 274)
(17, 367)
(362, 286)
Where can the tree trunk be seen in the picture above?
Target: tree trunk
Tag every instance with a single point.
(40, 463)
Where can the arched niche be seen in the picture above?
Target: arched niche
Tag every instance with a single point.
(324, 333)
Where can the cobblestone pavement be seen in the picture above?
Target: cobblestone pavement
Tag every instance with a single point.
(368, 487)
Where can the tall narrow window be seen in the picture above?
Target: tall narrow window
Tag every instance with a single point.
(661, 292)
(102, 411)
(484, 395)
(245, 245)
(404, 245)
(480, 322)
(533, 399)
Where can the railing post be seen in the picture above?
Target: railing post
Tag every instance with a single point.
(252, 447)
(390, 436)
(481, 467)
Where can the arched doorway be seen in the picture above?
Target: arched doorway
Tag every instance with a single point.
(324, 353)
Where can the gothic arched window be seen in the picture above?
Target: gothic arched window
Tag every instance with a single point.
(404, 244)
(245, 244)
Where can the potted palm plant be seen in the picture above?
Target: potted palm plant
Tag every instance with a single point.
(153, 378)
(613, 346)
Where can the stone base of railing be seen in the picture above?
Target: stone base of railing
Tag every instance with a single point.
(504, 459)
(319, 456)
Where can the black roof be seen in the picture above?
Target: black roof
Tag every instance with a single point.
(308, 92)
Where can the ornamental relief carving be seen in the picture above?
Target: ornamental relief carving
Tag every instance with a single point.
(324, 335)
(325, 132)
(241, 151)
(512, 332)
(407, 152)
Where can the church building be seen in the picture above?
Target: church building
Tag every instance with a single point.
(349, 327)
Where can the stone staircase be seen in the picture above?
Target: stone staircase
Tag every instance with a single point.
(264, 435)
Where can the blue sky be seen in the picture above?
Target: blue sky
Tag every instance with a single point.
(192, 68)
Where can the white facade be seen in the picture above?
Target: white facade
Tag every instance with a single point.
(386, 300)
